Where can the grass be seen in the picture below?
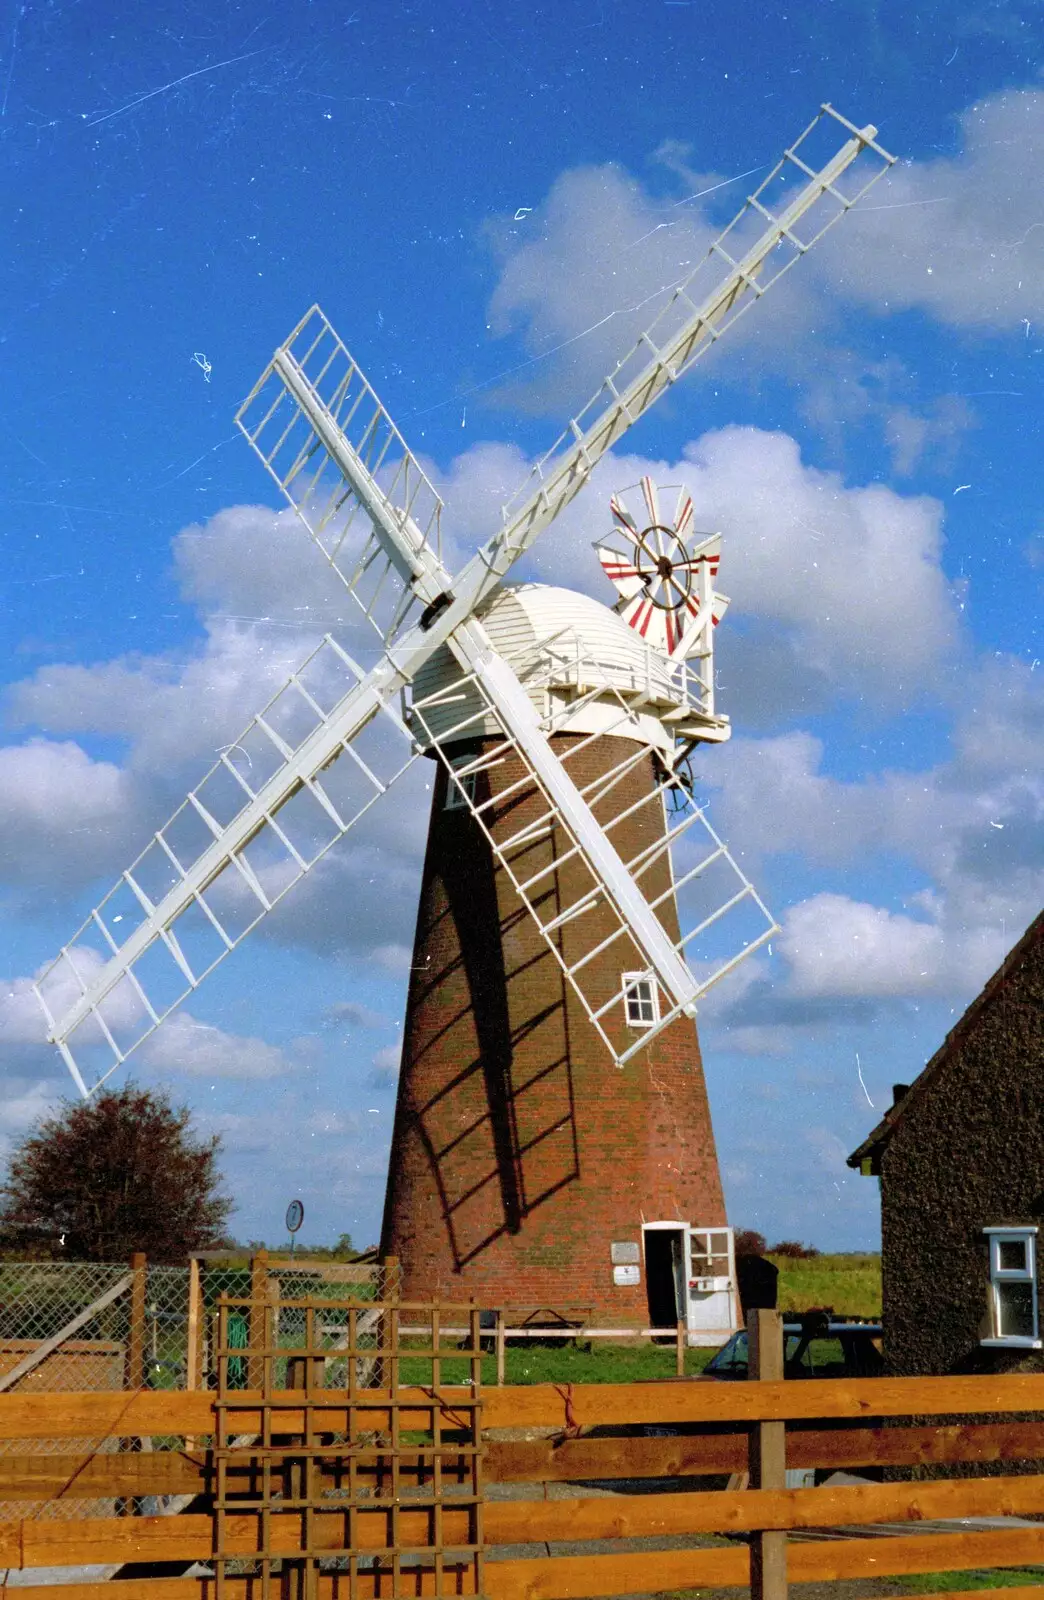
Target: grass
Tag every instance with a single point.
(988, 1578)
(565, 1362)
(850, 1284)
(913, 1583)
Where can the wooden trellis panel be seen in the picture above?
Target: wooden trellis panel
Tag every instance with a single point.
(377, 1490)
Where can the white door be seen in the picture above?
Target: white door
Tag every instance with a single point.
(712, 1314)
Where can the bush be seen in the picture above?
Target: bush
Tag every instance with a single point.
(748, 1242)
(122, 1171)
(796, 1251)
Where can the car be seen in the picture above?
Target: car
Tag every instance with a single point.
(816, 1345)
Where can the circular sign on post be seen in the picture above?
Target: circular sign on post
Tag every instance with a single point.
(294, 1216)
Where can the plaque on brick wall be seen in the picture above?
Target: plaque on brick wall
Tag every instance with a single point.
(623, 1253)
(626, 1277)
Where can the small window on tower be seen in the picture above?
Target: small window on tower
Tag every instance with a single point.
(460, 788)
(1014, 1313)
(641, 1002)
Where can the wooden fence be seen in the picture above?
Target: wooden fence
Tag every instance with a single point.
(413, 1489)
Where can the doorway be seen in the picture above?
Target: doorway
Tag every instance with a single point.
(665, 1274)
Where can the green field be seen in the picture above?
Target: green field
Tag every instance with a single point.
(849, 1284)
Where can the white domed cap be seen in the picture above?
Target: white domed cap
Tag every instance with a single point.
(568, 645)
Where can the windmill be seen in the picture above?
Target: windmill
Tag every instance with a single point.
(558, 744)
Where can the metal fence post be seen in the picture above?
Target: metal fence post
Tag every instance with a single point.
(768, 1456)
(135, 1370)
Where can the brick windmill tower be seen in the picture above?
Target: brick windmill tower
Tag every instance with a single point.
(552, 1140)
(522, 1171)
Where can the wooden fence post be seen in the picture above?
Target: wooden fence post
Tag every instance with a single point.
(193, 1335)
(768, 1455)
(256, 1318)
(193, 1330)
(389, 1289)
(679, 1365)
(135, 1368)
(501, 1348)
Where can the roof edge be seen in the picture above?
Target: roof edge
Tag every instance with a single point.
(872, 1146)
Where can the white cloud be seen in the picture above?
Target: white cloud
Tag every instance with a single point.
(836, 588)
(185, 1046)
(970, 829)
(24, 1103)
(73, 819)
(21, 1018)
(956, 236)
(58, 808)
(386, 1064)
(393, 958)
(175, 712)
(352, 1011)
(959, 236)
(182, 1045)
(592, 266)
(477, 484)
(336, 1163)
(814, 561)
(837, 946)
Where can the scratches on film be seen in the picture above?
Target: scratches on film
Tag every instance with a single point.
(20, 13)
(617, 311)
(175, 83)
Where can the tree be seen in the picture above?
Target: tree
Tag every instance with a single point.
(748, 1242)
(120, 1172)
(794, 1249)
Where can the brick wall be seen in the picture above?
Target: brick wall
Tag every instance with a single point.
(520, 1151)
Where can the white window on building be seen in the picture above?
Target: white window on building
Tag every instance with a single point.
(461, 789)
(1014, 1307)
(641, 1000)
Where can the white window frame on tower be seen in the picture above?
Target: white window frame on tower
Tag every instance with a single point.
(460, 792)
(635, 1003)
(1004, 1278)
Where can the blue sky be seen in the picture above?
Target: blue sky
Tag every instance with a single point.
(477, 194)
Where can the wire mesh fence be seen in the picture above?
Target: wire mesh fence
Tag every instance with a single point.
(88, 1326)
(276, 1282)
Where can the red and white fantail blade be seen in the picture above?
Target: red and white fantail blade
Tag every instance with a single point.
(708, 551)
(683, 515)
(647, 619)
(622, 515)
(621, 571)
(652, 500)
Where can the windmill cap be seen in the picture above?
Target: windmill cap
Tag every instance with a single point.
(566, 645)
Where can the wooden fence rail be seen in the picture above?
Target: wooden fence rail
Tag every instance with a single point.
(564, 1406)
(337, 1437)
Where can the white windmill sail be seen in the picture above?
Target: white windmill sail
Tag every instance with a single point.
(246, 834)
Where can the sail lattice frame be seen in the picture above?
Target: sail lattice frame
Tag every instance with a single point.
(241, 840)
(324, 436)
(547, 668)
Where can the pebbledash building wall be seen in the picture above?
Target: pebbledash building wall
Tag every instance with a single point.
(524, 1163)
(960, 1158)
